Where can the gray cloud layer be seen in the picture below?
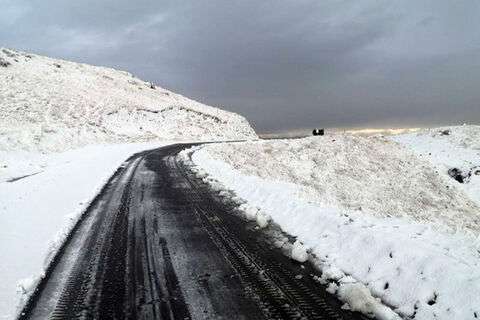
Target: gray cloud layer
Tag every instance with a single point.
(283, 64)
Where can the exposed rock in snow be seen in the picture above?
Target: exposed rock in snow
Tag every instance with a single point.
(50, 104)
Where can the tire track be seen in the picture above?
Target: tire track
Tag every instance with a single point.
(281, 291)
(156, 243)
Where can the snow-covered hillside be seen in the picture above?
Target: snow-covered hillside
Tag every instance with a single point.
(54, 105)
(370, 174)
(381, 221)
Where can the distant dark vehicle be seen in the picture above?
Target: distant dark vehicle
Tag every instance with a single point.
(318, 132)
(446, 132)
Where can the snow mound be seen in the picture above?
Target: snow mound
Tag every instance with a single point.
(299, 252)
(358, 298)
(370, 174)
(52, 105)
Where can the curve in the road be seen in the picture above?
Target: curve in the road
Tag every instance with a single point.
(157, 243)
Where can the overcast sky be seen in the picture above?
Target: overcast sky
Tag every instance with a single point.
(282, 64)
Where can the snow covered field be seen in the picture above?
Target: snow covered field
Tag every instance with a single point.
(380, 221)
(55, 105)
(37, 211)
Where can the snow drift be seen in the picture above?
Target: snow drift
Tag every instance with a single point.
(52, 105)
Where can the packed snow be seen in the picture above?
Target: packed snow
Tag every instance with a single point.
(42, 196)
(54, 105)
(393, 235)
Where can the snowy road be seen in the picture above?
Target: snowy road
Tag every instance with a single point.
(156, 243)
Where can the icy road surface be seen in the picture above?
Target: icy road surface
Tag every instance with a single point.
(156, 243)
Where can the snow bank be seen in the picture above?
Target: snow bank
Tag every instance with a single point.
(41, 197)
(371, 174)
(54, 105)
(370, 260)
(446, 148)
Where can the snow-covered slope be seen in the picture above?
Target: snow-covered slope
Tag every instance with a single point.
(53, 105)
(371, 174)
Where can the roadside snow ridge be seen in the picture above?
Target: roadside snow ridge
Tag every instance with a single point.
(52, 105)
(370, 174)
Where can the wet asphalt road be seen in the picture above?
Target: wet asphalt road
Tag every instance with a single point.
(157, 243)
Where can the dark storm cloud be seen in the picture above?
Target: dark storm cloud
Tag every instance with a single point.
(283, 64)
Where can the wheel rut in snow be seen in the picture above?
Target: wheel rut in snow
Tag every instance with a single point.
(157, 243)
